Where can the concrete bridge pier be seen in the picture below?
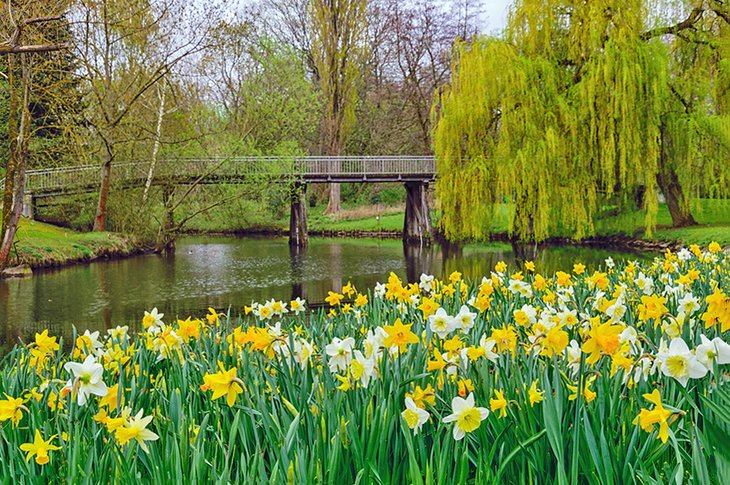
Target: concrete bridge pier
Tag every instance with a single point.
(417, 224)
(29, 208)
(298, 216)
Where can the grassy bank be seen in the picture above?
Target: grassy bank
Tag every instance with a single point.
(42, 245)
(713, 218)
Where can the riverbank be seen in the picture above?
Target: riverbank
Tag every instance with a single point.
(38, 245)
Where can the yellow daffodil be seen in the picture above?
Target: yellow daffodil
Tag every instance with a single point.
(224, 383)
(399, 335)
(648, 418)
(498, 404)
(39, 448)
(11, 408)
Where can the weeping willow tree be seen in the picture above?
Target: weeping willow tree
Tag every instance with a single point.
(568, 114)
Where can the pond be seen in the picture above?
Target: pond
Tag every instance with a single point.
(230, 272)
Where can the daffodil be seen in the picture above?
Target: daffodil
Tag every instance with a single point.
(465, 416)
(648, 418)
(711, 351)
(464, 320)
(152, 320)
(681, 364)
(339, 353)
(535, 395)
(224, 383)
(423, 396)
(333, 298)
(441, 323)
(11, 408)
(39, 448)
(602, 340)
(87, 379)
(399, 335)
(136, 429)
(498, 404)
(414, 416)
(297, 305)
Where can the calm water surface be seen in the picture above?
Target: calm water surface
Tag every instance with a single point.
(225, 272)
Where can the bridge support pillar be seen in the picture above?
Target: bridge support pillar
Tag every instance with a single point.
(417, 224)
(298, 217)
(29, 206)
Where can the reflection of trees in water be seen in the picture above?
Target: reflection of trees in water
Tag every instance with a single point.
(419, 258)
(335, 251)
(297, 256)
(106, 295)
(112, 293)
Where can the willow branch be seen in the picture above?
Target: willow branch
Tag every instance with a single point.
(688, 23)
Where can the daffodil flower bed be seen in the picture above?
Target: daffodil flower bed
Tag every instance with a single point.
(612, 376)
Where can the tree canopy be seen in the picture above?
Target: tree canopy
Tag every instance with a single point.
(578, 108)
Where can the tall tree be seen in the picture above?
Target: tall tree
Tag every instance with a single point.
(338, 29)
(124, 48)
(566, 114)
(23, 29)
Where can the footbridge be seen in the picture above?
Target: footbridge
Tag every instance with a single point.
(415, 172)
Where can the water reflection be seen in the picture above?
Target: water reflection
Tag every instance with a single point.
(225, 272)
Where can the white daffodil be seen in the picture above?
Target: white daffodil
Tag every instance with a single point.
(379, 291)
(681, 364)
(684, 254)
(303, 351)
(488, 345)
(426, 283)
(339, 353)
(152, 320)
(87, 379)
(713, 350)
(118, 333)
(465, 416)
(441, 323)
(645, 283)
(298, 305)
(465, 319)
(573, 353)
(688, 303)
(414, 416)
(629, 335)
(362, 368)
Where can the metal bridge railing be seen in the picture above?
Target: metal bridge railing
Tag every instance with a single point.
(135, 172)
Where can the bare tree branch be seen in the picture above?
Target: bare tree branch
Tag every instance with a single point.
(694, 17)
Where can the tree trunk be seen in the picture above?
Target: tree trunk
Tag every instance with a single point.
(13, 141)
(333, 204)
(671, 188)
(106, 174)
(156, 146)
(166, 236)
(674, 195)
(21, 161)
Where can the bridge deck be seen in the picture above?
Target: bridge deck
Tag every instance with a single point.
(85, 178)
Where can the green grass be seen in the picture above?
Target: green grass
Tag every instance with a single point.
(712, 216)
(40, 245)
(388, 222)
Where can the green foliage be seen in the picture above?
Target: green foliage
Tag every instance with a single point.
(563, 115)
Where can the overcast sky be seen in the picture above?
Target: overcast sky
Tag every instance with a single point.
(495, 15)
